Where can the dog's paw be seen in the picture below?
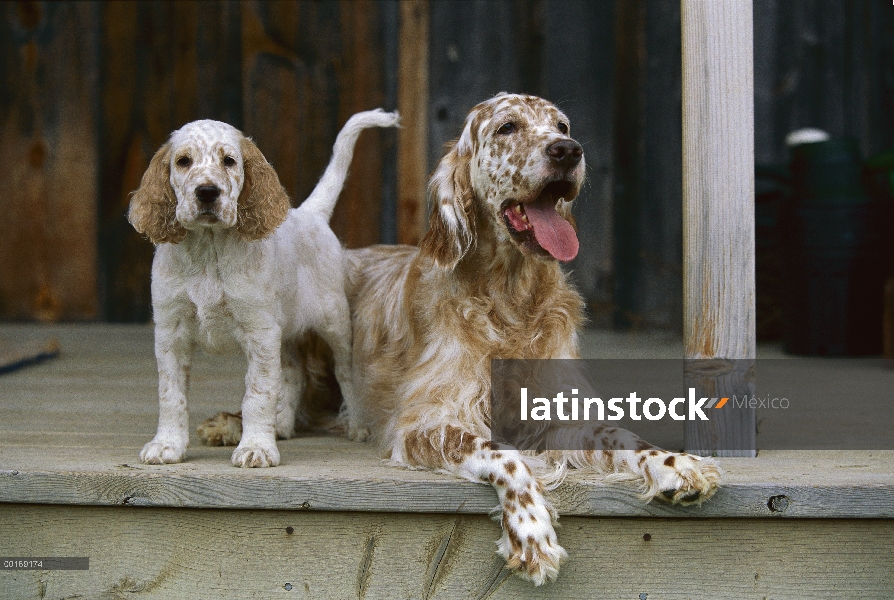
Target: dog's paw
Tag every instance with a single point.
(163, 452)
(223, 429)
(358, 433)
(529, 543)
(681, 478)
(248, 455)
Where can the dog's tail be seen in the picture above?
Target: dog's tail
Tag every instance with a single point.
(322, 199)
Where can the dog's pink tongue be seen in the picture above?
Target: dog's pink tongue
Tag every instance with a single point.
(553, 233)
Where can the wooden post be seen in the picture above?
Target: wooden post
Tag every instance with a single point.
(412, 138)
(718, 218)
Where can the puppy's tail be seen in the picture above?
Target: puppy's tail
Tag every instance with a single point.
(322, 199)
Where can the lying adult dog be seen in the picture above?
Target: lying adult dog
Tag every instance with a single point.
(486, 283)
(235, 267)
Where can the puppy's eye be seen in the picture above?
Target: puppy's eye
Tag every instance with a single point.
(506, 128)
(563, 128)
(184, 161)
(229, 161)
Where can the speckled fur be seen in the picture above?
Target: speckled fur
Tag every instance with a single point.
(243, 271)
(427, 323)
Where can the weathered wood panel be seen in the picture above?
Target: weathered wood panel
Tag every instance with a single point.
(168, 553)
(575, 42)
(308, 67)
(290, 74)
(648, 162)
(329, 474)
(48, 151)
(629, 154)
(826, 64)
(412, 139)
(474, 54)
(72, 430)
(718, 214)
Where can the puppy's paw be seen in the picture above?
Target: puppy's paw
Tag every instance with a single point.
(162, 451)
(252, 455)
(223, 429)
(681, 478)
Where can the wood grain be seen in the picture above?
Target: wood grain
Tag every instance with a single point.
(48, 151)
(72, 430)
(166, 553)
(412, 139)
(17, 356)
(356, 220)
(718, 197)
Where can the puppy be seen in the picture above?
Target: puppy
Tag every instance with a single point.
(234, 268)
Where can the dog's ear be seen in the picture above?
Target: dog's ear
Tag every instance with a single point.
(451, 231)
(153, 207)
(263, 203)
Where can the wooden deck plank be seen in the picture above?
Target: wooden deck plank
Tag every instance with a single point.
(72, 429)
(185, 553)
(30, 353)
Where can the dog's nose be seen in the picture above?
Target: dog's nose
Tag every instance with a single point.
(207, 193)
(565, 152)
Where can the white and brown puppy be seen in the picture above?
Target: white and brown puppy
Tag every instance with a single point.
(234, 268)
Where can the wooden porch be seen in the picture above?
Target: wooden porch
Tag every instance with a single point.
(334, 521)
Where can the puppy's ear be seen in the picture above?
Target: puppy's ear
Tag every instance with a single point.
(153, 207)
(263, 203)
(451, 230)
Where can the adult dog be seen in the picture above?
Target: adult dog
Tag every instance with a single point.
(486, 283)
(235, 267)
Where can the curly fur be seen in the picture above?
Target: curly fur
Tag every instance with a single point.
(153, 205)
(263, 203)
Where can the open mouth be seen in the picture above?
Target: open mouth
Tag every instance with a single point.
(537, 225)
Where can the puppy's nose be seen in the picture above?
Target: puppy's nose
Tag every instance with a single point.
(565, 152)
(207, 193)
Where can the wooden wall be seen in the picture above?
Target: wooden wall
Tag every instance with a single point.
(288, 74)
(48, 161)
(89, 90)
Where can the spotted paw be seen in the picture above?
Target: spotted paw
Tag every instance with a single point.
(681, 478)
(529, 542)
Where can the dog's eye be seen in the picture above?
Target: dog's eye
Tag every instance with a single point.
(229, 161)
(184, 161)
(506, 128)
(563, 128)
